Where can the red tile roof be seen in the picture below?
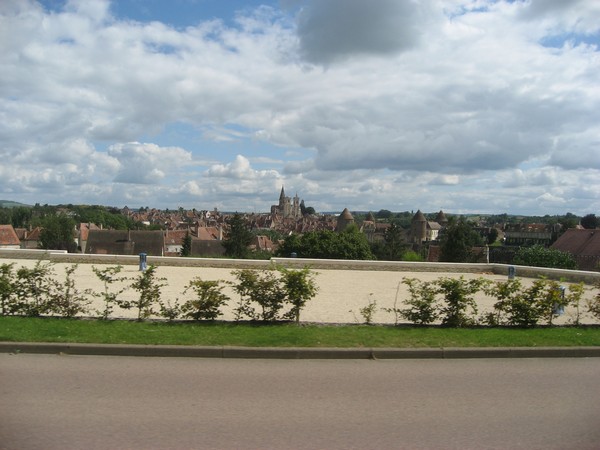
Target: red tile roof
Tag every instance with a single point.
(8, 235)
(579, 242)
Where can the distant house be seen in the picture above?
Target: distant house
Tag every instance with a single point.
(82, 237)
(30, 239)
(8, 238)
(208, 242)
(529, 234)
(125, 242)
(584, 245)
(263, 244)
(174, 241)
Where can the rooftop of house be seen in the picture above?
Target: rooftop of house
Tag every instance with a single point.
(579, 242)
(8, 235)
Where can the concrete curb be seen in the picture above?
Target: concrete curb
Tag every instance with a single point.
(297, 352)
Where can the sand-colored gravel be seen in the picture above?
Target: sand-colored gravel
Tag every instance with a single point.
(341, 295)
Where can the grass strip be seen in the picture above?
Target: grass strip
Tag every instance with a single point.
(23, 329)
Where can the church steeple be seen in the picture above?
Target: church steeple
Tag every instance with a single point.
(282, 195)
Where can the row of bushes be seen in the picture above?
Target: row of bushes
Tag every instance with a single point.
(452, 300)
(268, 295)
(281, 294)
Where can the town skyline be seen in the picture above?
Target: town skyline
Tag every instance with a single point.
(484, 107)
(6, 203)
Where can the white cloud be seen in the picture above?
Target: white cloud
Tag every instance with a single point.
(385, 103)
(239, 169)
(146, 163)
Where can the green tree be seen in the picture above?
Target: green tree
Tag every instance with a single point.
(238, 237)
(457, 241)
(383, 214)
(186, 245)
(492, 236)
(5, 216)
(539, 256)
(352, 244)
(590, 222)
(394, 242)
(21, 216)
(326, 244)
(58, 233)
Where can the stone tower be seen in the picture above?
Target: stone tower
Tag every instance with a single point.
(344, 219)
(418, 228)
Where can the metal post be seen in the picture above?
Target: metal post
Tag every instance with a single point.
(143, 264)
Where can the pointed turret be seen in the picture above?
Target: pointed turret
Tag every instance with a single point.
(344, 219)
(441, 218)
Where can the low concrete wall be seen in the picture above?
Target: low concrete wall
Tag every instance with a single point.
(574, 276)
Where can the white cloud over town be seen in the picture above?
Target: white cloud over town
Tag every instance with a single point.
(465, 106)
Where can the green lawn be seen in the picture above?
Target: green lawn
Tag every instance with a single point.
(21, 329)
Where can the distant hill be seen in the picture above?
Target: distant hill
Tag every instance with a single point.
(10, 204)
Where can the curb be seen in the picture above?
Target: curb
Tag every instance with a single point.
(296, 352)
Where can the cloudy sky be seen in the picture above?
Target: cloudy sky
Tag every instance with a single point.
(470, 106)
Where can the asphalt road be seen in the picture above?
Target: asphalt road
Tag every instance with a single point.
(97, 402)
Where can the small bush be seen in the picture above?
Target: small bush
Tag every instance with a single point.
(459, 308)
(148, 287)
(7, 288)
(259, 288)
(368, 312)
(208, 301)
(66, 299)
(110, 299)
(422, 304)
(594, 305)
(33, 290)
(299, 286)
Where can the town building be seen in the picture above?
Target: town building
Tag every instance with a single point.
(583, 244)
(9, 238)
(287, 207)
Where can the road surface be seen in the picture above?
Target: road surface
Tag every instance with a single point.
(95, 402)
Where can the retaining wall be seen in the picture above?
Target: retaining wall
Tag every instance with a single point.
(394, 266)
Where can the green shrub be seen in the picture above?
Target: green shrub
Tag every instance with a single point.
(260, 288)
(109, 276)
(299, 286)
(66, 299)
(33, 290)
(422, 304)
(7, 288)
(148, 287)
(539, 256)
(594, 305)
(208, 301)
(459, 307)
(509, 308)
(368, 312)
